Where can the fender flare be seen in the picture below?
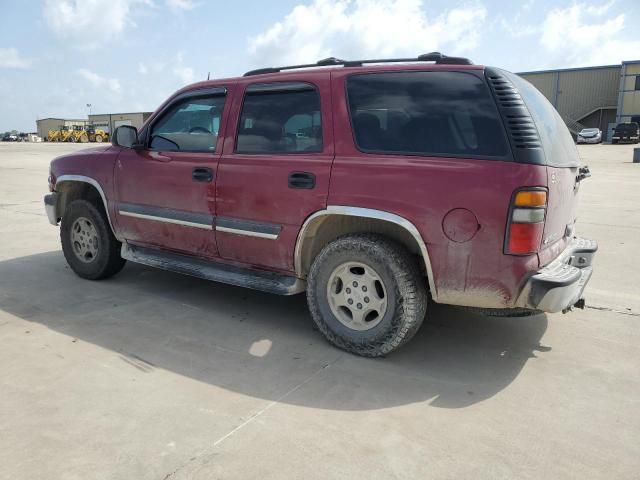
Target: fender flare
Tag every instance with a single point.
(94, 183)
(366, 213)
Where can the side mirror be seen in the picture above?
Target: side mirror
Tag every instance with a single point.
(126, 136)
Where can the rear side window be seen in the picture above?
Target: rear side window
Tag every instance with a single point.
(191, 125)
(425, 113)
(280, 121)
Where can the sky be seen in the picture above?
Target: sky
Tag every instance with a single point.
(57, 56)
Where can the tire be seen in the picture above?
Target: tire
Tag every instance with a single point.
(401, 285)
(104, 260)
(84, 139)
(98, 138)
(71, 139)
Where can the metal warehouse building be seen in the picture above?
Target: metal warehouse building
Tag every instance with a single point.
(593, 96)
(111, 121)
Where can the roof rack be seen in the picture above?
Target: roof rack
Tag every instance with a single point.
(436, 57)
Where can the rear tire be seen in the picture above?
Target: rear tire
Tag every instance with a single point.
(89, 246)
(366, 294)
(98, 138)
(71, 139)
(84, 139)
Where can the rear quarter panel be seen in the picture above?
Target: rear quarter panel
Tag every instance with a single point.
(423, 190)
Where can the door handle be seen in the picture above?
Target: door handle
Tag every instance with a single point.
(304, 180)
(202, 174)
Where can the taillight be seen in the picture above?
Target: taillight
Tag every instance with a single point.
(526, 221)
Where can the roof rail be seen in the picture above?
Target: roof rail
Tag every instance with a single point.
(436, 57)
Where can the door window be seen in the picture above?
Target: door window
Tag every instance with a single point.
(190, 125)
(285, 121)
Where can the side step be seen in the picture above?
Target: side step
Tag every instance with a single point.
(218, 272)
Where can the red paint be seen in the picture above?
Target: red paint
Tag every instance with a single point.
(254, 187)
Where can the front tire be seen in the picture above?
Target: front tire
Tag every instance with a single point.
(366, 294)
(88, 244)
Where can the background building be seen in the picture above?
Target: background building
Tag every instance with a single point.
(593, 96)
(111, 121)
(107, 121)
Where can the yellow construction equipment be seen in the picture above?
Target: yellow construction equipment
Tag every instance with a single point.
(78, 134)
(53, 136)
(97, 135)
(66, 134)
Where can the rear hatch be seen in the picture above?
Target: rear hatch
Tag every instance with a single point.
(562, 162)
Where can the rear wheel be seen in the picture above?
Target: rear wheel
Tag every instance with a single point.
(366, 294)
(89, 246)
(71, 139)
(98, 138)
(84, 139)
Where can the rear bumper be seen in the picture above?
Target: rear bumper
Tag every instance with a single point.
(559, 285)
(51, 207)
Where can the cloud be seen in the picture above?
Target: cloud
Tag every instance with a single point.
(81, 21)
(364, 28)
(583, 35)
(9, 58)
(184, 73)
(181, 4)
(97, 81)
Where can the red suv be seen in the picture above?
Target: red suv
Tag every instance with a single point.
(372, 184)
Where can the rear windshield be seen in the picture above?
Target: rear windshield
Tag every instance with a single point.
(559, 148)
(425, 113)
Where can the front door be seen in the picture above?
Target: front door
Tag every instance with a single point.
(275, 169)
(166, 192)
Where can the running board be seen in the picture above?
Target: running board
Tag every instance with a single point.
(218, 272)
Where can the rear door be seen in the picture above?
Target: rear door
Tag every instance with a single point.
(275, 168)
(562, 162)
(166, 192)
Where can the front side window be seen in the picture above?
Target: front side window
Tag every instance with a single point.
(190, 125)
(425, 113)
(283, 121)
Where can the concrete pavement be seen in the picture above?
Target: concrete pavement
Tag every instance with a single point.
(153, 375)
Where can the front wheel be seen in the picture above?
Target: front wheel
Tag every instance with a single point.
(88, 244)
(366, 294)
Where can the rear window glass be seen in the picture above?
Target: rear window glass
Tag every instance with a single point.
(425, 113)
(559, 148)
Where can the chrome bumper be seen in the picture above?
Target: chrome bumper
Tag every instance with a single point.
(559, 286)
(51, 207)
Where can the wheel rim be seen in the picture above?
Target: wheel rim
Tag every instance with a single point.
(84, 240)
(357, 296)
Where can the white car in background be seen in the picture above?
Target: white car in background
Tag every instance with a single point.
(590, 135)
